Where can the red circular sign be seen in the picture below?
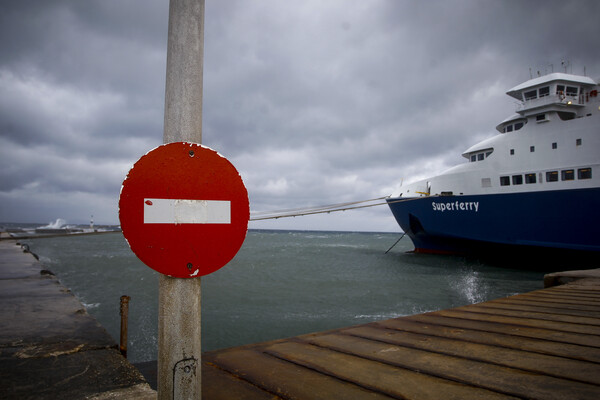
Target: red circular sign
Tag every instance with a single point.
(184, 210)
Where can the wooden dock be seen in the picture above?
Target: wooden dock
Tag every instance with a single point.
(539, 345)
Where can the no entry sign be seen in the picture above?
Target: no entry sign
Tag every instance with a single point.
(184, 210)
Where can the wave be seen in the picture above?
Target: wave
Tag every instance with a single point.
(380, 316)
(59, 223)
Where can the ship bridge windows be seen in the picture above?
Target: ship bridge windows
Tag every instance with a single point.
(480, 155)
(537, 93)
(572, 91)
(513, 126)
(561, 90)
(530, 95)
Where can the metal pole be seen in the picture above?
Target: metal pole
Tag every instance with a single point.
(124, 311)
(179, 313)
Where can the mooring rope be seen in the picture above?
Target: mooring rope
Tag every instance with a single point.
(297, 212)
(388, 250)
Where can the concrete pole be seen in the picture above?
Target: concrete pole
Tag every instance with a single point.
(179, 312)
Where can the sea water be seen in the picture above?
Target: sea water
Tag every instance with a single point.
(280, 284)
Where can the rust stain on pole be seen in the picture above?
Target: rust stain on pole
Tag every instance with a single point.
(124, 317)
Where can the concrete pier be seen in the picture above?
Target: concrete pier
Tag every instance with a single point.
(50, 347)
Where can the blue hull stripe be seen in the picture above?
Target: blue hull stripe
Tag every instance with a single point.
(565, 219)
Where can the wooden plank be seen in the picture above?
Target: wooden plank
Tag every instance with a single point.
(538, 323)
(509, 329)
(514, 358)
(286, 379)
(565, 291)
(544, 316)
(587, 295)
(377, 376)
(568, 309)
(589, 287)
(541, 308)
(556, 303)
(560, 299)
(215, 379)
(593, 291)
(566, 297)
(481, 375)
(562, 295)
(565, 308)
(560, 349)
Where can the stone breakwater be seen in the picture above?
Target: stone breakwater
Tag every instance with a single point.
(50, 347)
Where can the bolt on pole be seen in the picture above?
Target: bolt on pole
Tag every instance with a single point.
(179, 350)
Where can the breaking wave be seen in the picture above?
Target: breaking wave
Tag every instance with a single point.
(59, 223)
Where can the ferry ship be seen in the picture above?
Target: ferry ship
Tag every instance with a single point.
(532, 186)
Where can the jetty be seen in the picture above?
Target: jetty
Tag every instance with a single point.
(539, 345)
(50, 347)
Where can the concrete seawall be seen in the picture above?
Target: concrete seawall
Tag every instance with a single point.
(50, 347)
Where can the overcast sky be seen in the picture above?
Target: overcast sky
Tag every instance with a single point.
(314, 102)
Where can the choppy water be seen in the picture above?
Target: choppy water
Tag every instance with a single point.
(280, 284)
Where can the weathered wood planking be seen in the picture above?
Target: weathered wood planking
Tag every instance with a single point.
(539, 345)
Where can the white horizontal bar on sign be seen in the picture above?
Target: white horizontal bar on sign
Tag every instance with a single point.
(176, 211)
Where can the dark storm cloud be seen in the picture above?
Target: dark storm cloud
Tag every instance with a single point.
(87, 44)
(81, 88)
(349, 103)
(314, 102)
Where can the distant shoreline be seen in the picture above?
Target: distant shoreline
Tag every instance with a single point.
(52, 235)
